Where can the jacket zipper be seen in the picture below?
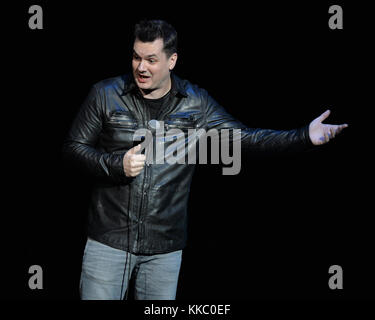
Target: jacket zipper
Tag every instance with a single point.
(147, 176)
(144, 188)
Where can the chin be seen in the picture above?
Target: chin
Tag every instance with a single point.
(145, 86)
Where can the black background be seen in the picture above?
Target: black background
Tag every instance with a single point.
(270, 232)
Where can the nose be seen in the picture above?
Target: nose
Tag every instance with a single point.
(141, 67)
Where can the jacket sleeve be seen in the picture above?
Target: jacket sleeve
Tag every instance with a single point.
(255, 138)
(79, 145)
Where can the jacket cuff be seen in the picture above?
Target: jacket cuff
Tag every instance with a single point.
(116, 168)
(305, 137)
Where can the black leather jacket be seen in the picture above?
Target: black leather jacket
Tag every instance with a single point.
(148, 214)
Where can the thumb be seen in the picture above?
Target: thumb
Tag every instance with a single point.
(324, 115)
(135, 149)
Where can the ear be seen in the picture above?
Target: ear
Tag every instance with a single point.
(172, 61)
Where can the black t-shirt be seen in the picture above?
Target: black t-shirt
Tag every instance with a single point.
(156, 105)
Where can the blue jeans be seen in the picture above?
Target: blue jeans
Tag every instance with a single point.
(104, 275)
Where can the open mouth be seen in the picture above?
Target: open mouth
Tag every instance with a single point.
(142, 78)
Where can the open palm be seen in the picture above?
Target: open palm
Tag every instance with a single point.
(321, 133)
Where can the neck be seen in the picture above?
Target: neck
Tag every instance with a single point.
(157, 92)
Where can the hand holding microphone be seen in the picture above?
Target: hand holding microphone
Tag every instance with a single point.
(133, 162)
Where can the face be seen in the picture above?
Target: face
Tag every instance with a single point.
(151, 67)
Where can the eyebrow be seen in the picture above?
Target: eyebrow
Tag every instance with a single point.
(149, 56)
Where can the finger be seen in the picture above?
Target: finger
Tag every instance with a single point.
(343, 126)
(132, 172)
(332, 132)
(324, 115)
(136, 172)
(137, 158)
(135, 149)
(142, 148)
(340, 128)
(137, 166)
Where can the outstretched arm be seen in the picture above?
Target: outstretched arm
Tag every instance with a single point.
(316, 133)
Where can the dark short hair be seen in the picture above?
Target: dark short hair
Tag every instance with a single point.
(150, 30)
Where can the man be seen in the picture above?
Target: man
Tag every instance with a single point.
(137, 218)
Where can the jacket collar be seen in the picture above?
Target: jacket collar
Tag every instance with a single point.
(131, 86)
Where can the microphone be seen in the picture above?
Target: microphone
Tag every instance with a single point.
(153, 125)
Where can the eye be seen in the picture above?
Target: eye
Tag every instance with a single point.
(152, 60)
(136, 57)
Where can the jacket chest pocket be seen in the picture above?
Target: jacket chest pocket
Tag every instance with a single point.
(119, 130)
(182, 120)
(121, 120)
